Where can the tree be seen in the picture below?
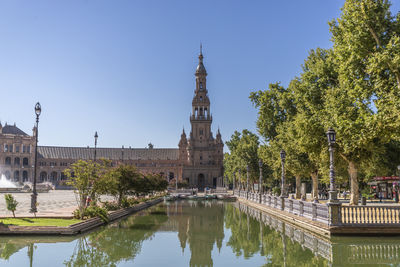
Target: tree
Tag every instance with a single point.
(121, 181)
(243, 152)
(360, 108)
(11, 203)
(84, 177)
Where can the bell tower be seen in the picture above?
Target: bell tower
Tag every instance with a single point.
(204, 153)
(201, 118)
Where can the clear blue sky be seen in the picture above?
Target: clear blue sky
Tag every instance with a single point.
(126, 68)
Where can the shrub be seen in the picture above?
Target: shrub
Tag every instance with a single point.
(92, 212)
(11, 203)
(276, 191)
(110, 206)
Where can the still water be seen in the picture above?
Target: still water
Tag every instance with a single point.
(194, 233)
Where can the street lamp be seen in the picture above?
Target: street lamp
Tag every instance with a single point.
(38, 110)
(95, 145)
(240, 181)
(260, 163)
(396, 196)
(247, 181)
(331, 134)
(283, 157)
(233, 185)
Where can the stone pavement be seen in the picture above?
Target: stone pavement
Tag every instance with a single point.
(55, 203)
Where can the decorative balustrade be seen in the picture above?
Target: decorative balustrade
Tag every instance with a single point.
(345, 215)
(313, 211)
(370, 215)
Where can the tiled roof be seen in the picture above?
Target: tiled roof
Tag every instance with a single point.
(12, 129)
(54, 152)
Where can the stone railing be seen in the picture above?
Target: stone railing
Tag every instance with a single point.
(355, 215)
(314, 211)
(330, 213)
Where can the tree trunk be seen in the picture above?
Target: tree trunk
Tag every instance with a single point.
(82, 206)
(120, 199)
(353, 184)
(314, 177)
(13, 214)
(298, 187)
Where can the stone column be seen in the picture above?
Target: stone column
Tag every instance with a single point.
(334, 213)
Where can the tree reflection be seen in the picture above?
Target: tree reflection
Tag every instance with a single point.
(121, 241)
(250, 237)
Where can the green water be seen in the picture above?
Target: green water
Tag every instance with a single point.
(191, 233)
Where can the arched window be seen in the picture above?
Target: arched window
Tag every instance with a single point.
(24, 176)
(43, 177)
(8, 175)
(25, 162)
(8, 161)
(17, 161)
(53, 176)
(16, 176)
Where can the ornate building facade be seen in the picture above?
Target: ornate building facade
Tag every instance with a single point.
(198, 160)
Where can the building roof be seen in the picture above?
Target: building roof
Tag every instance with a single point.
(75, 153)
(12, 129)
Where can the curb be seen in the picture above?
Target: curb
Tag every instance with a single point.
(77, 228)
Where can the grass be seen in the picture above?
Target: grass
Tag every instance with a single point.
(38, 221)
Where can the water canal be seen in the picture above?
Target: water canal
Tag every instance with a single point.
(194, 233)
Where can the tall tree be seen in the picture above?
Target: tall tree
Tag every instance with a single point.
(367, 57)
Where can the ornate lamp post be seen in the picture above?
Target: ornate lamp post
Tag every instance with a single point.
(397, 188)
(331, 134)
(240, 181)
(38, 110)
(95, 145)
(260, 180)
(283, 157)
(247, 182)
(233, 185)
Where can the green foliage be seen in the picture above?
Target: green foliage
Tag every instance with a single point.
(121, 180)
(87, 177)
(11, 203)
(110, 206)
(243, 152)
(353, 87)
(276, 191)
(92, 212)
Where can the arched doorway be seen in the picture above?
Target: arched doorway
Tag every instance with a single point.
(25, 176)
(16, 176)
(43, 177)
(201, 182)
(53, 177)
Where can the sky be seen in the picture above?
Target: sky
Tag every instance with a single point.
(126, 68)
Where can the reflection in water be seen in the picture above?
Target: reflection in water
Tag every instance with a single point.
(213, 233)
(199, 224)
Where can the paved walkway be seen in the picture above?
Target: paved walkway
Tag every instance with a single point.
(57, 203)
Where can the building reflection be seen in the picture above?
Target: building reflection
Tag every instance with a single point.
(200, 225)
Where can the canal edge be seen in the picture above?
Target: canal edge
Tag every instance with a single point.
(77, 228)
